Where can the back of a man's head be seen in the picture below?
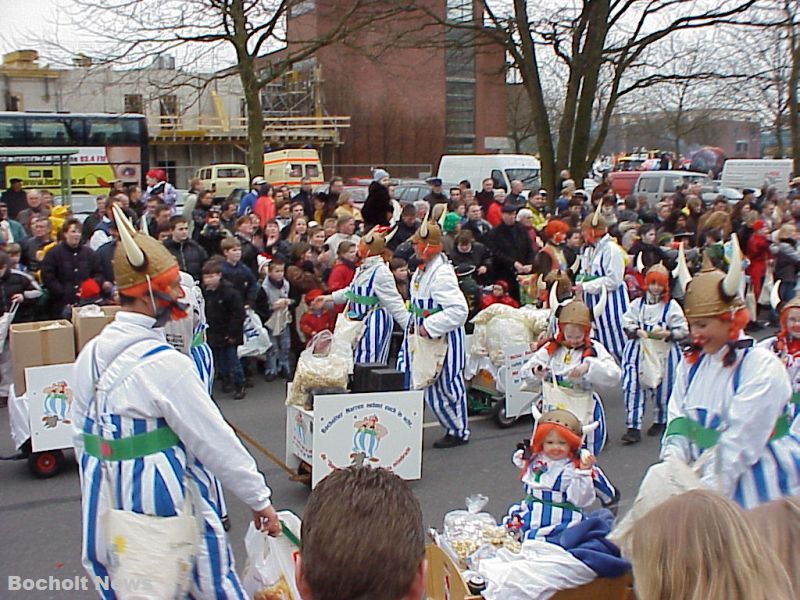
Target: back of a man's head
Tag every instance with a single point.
(362, 539)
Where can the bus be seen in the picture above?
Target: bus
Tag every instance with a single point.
(111, 147)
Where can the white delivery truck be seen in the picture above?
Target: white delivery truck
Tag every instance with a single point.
(742, 173)
(502, 168)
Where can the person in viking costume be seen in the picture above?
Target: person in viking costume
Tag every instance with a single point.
(730, 399)
(373, 299)
(786, 346)
(149, 441)
(655, 325)
(557, 476)
(438, 312)
(603, 267)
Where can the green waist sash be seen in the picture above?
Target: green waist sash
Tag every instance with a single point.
(359, 299)
(129, 448)
(796, 398)
(562, 505)
(422, 312)
(581, 277)
(706, 438)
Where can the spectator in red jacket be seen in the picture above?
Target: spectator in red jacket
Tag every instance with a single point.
(317, 318)
(499, 295)
(757, 252)
(344, 270)
(494, 210)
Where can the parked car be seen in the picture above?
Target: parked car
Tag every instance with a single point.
(715, 189)
(657, 184)
(358, 192)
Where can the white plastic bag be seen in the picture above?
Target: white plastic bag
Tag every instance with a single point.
(348, 331)
(766, 287)
(256, 336)
(427, 359)
(151, 557)
(325, 363)
(269, 570)
(663, 480)
(5, 324)
(651, 362)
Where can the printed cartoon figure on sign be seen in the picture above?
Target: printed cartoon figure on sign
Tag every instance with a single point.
(57, 404)
(367, 438)
(298, 428)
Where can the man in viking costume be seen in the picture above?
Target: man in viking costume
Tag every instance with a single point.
(372, 298)
(603, 266)
(148, 438)
(438, 311)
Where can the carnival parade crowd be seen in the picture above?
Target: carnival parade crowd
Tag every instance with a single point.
(656, 298)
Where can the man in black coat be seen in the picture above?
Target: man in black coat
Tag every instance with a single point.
(436, 195)
(304, 196)
(15, 198)
(511, 249)
(66, 267)
(406, 227)
(377, 209)
(189, 254)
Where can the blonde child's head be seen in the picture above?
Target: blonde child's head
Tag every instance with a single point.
(778, 524)
(700, 546)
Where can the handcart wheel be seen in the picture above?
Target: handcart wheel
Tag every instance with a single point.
(500, 416)
(304, 472)
(46, 464)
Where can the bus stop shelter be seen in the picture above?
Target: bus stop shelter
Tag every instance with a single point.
(45, 156)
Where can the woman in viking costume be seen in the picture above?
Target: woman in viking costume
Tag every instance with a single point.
(148, 438)
(372, 298)
(655, 325)
(438, 311)
(603, 266)
(730, 399)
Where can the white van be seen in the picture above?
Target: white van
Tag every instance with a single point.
(221, 180)
(742, 173)
(288, 167)
(502, 168)
(657, 184)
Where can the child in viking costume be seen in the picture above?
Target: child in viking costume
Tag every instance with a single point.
(603, 267)
(438, 313)
(730, 399)
(149, 440)
(654, 325)
(373, 299)
(557, 475)
(786, 346)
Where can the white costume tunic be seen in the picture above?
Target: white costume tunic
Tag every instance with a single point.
(792, 363)
(603, 370)
(438, 303)
(739, 412)
(373, 298)
(557, 491)
(150, 386)
(604, 266)
(645, 314)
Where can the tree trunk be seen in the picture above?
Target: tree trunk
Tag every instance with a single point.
(794, 79)
(780, 151)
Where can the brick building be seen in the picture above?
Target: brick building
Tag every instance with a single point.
(413, 88)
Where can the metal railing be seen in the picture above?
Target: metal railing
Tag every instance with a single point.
(300, 128)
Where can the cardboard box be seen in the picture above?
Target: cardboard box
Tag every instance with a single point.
(39, 344)
(87, 328)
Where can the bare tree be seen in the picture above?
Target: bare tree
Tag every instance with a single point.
(253, 33)
(594, 46)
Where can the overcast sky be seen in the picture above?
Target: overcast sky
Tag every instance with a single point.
(26, 20)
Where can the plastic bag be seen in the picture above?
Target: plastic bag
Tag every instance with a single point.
(269, 570)
(499, 326)
(325, 363)
(662, 481)
(766, 287)
(651, 362)
(463, 529)
(427, 359)
(256, 336)
(348, 331)
(5, 323)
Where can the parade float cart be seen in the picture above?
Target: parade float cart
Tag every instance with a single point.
(500, 391)
(40, 399)
(379, 429)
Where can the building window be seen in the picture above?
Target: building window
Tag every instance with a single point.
(459, 11)
(301, 7)
(168, 109)
(13, 102)
(133, 103)
(742, 146)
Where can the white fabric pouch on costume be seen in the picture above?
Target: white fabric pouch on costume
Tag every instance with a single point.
(269, 570)
(651, 362)
(427, 359)
(256, 336)
(663, 480)
(578, 402)
(151, 557)
(348, 331)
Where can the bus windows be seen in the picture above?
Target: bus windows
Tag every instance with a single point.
(109, 132)
(12, 132)
(54, 132)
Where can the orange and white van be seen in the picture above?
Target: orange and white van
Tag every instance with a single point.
(288, 167)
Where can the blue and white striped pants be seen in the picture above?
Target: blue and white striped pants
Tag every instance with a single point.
(607, 329)
(636, 396)
(373, 347)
